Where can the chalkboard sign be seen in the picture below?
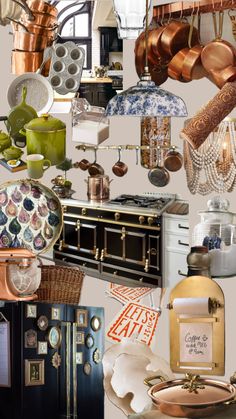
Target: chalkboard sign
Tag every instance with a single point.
(5, 366)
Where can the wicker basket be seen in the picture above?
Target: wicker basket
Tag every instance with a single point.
(60, 284)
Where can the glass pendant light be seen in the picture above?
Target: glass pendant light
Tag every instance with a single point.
(130, 16)
(146, 99)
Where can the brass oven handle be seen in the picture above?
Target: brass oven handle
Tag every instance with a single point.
(181, 273)
(102, 258)
(152, 251)
(183, 227)
(146, 268)
(77, 226)
(182, 243)
(123, 233)
(96, 257)
(147, 381)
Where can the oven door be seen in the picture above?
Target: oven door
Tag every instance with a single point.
(131, 246)
(80, 236)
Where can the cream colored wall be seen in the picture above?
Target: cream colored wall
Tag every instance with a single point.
(127, 130)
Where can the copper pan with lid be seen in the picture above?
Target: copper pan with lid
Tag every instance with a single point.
(192, 396)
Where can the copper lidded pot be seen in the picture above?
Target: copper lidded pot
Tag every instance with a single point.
(192, 396)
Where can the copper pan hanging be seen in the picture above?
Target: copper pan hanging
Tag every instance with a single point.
(42, 7)
(175, 37)
(192, 66)
(157, 70)
(218, 54)
(175, 66)
(26, 62)
(42, 19)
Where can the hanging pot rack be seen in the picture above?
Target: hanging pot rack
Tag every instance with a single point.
(130, 147)
(185, 8)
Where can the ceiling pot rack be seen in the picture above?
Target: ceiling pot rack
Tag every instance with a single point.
(185, 8)
(130, 147)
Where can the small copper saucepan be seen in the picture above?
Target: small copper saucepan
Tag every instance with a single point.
(191, 397)
(95, 168)
(218, 54)
(173, 160)
(119, 169)
(32, 28)
(26, 41)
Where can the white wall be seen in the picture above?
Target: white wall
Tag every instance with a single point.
(128, 131)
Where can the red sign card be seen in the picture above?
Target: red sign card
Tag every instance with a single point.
(134, 320)
(126, 294)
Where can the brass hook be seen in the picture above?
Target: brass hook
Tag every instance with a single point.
(181, 11)
(170, 13)
(213, 5)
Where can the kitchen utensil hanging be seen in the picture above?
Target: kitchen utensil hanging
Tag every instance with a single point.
(213, 166)
(119, 169)
(159, 176)
(95, 169)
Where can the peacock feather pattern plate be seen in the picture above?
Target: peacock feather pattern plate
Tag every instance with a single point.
(30, 216)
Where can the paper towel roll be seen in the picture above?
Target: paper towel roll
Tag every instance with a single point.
(194, 306)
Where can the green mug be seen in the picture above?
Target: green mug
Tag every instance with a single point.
(36, 165)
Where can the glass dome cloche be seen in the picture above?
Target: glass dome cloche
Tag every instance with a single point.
(217, 232)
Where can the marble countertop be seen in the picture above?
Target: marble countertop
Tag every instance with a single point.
(96, 80)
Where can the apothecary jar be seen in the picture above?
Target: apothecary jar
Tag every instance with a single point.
(217, 232)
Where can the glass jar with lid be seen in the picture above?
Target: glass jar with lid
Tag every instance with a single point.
(217, 232)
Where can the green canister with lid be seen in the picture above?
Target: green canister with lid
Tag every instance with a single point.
(47, 136)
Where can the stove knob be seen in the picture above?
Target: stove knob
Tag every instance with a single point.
(117, 216)
(141, 219)
(84, 211)
(150, 220)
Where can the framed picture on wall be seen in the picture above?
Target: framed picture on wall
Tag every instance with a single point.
(30, 339)
(31, 311)
(56, 313)
(34, 372)
(42, 348)
(82, 318)
(80, 338)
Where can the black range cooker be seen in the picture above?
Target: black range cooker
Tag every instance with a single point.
(118, 241)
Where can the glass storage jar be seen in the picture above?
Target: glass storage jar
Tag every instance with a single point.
(217, 232)
(155, 133)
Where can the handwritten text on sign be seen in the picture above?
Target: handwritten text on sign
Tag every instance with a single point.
(134, 320)
(195, 342)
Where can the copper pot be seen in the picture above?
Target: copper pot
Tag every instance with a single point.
(175, 37)
(42, 19)
(98, 188)
(25, 61)
(191, 397)
(26, 41)
(155, 50)
(42, 7)
(95, 169)
(32, 28)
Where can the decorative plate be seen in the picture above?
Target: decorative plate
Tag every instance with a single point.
(89, 341)
(87, 368)
(96, 323)
(54, 337)
(42, 323)
(30, 216)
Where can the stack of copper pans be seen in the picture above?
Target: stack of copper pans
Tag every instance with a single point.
(32, 34)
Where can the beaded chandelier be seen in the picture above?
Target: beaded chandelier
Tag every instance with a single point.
(213, 166)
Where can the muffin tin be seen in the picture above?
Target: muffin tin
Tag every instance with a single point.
(66, 68)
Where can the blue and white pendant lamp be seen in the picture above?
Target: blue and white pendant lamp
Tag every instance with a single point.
(145, 99)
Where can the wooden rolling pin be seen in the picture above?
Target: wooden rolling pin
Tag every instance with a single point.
(209, 117)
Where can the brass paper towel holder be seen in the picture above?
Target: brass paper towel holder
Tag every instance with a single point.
(197, 339)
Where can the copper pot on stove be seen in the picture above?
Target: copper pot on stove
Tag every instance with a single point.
(98, 188)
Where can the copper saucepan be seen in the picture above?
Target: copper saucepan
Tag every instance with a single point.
(218, 54)
(192, 66)
(25, 61)
(175, 66)
(32, 28)
(155, 50)
(191, 397)
(42, 7)
(157, 70)
(175, 37)
(120, 168)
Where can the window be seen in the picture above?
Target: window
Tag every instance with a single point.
(75, 25)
